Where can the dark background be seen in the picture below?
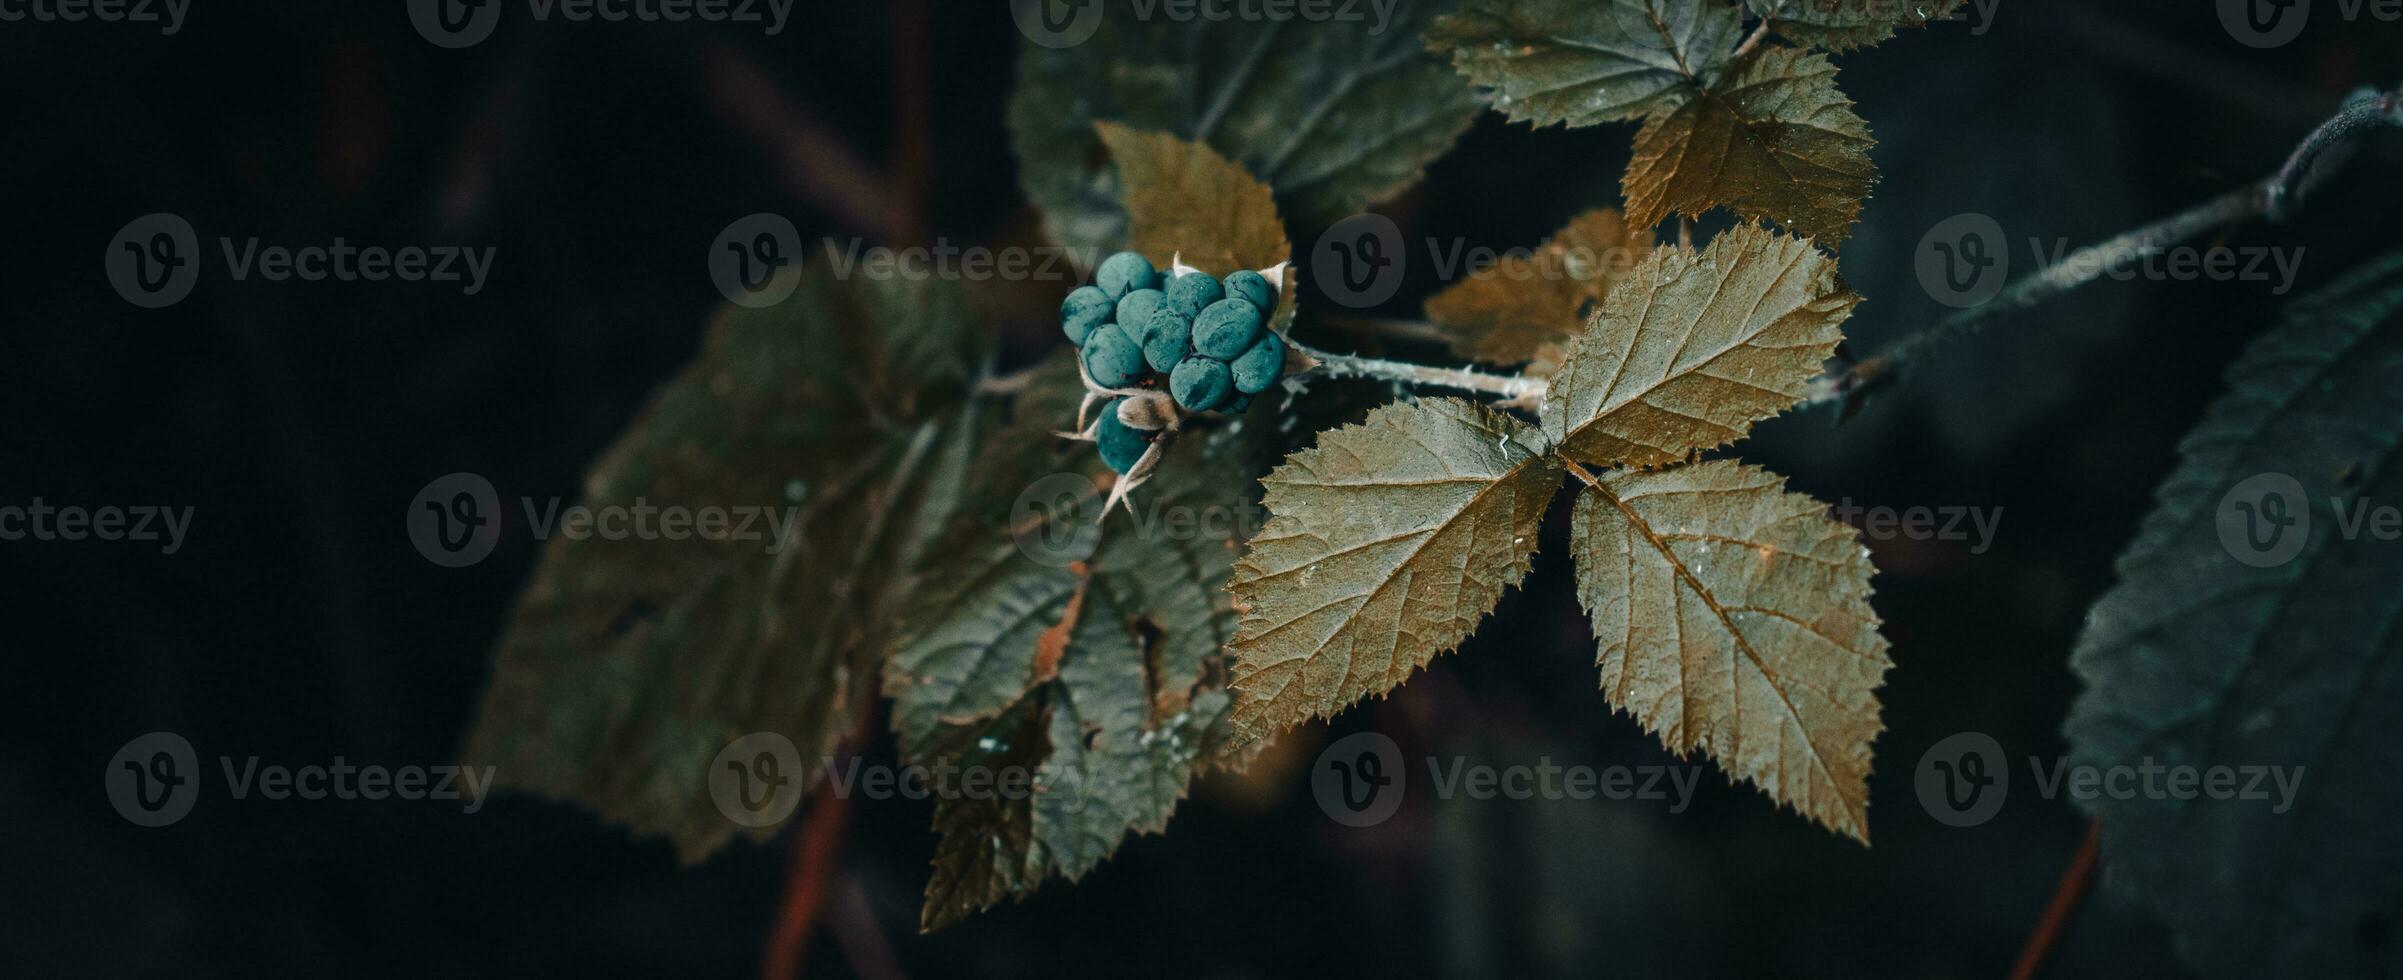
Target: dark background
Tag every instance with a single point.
(299, 419)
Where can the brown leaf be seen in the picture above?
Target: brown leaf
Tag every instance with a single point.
(1185, 201)
(1774, 141)
(1692, 348)
(1385, 545)
(1529, 307)
(1734, 618)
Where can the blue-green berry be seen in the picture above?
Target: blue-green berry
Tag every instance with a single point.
(1261, 365)
(1200, 384)
(1192, 292)
(1121, 445)
(1112, 358)
(1134, 312)
(1254, 288)
(1226, 329)
(1084, 309)
(1125, 272)
(1166, 339)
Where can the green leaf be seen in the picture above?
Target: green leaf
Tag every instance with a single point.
(2233, 639)
(1333, 115)
(1386, 544)
(1581, 62)
(1842, 25)
(1773, 141)
(1734, 618)
(629, 664)
(1094, 662)
(1527, 309)
(1691, 348)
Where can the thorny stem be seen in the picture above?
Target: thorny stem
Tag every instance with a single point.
(1465, 379)
(2273, 198)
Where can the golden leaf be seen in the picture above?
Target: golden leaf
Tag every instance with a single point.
(1692, 348)
(1184, 201)
(1385, 545)
(1774, 141)
(1733, 617)
(1529, 307)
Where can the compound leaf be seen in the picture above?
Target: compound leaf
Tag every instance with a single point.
(1842, 25)
(1333, 114)
(1691, 348)
(1774, 140)
(1581, 62)
(629, 664)
(1528, 308)
(1734, 618)
(2250, 627)
(1385, 545)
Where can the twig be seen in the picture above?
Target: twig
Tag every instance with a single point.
(1759, 34)
(2273, 198)
(2073, 884)
(1465, 379)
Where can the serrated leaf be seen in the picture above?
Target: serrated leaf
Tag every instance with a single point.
(1691, 348)
(1734, 618)
(1134, 704)
(1842, 25)
(1527, 309)
(628, 664)
(1184, 200)
(1385, 545)
(1334, 115)
(1773, 141)
(1581, 62)
(2248, 628)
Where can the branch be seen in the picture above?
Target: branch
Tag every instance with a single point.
(2274, 198)
(1332, 365)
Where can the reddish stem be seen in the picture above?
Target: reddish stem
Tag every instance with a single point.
(2074, 880)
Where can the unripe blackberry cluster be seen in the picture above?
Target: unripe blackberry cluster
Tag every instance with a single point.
(1205, 340)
